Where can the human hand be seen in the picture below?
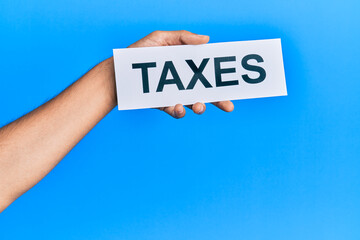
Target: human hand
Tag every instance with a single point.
(168, 38)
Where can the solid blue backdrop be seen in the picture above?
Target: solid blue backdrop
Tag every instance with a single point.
(275, 168)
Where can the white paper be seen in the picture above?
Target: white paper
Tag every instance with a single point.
(133, 94)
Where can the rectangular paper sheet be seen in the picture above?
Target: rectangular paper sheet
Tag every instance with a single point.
(131, 93)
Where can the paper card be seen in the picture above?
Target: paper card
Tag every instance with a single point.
(165, 76)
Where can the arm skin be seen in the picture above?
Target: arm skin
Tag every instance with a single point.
(34, 144)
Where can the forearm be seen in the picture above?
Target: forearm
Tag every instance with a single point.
(32, 145)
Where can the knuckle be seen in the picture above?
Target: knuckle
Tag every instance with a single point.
(184, 32)
(156, 33)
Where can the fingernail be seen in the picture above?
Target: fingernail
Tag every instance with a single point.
(178, 113)
(202, 35)
(202, 110)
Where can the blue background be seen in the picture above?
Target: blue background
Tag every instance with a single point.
(275, 168)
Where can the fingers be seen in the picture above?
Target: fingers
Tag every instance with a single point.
(178, 111)
(198, 108)
(226, 106)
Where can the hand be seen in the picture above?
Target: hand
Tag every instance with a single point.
(168, 38)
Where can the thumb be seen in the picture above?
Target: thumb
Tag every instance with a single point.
(186, 37)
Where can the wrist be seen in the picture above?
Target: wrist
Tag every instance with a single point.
(108, 77)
